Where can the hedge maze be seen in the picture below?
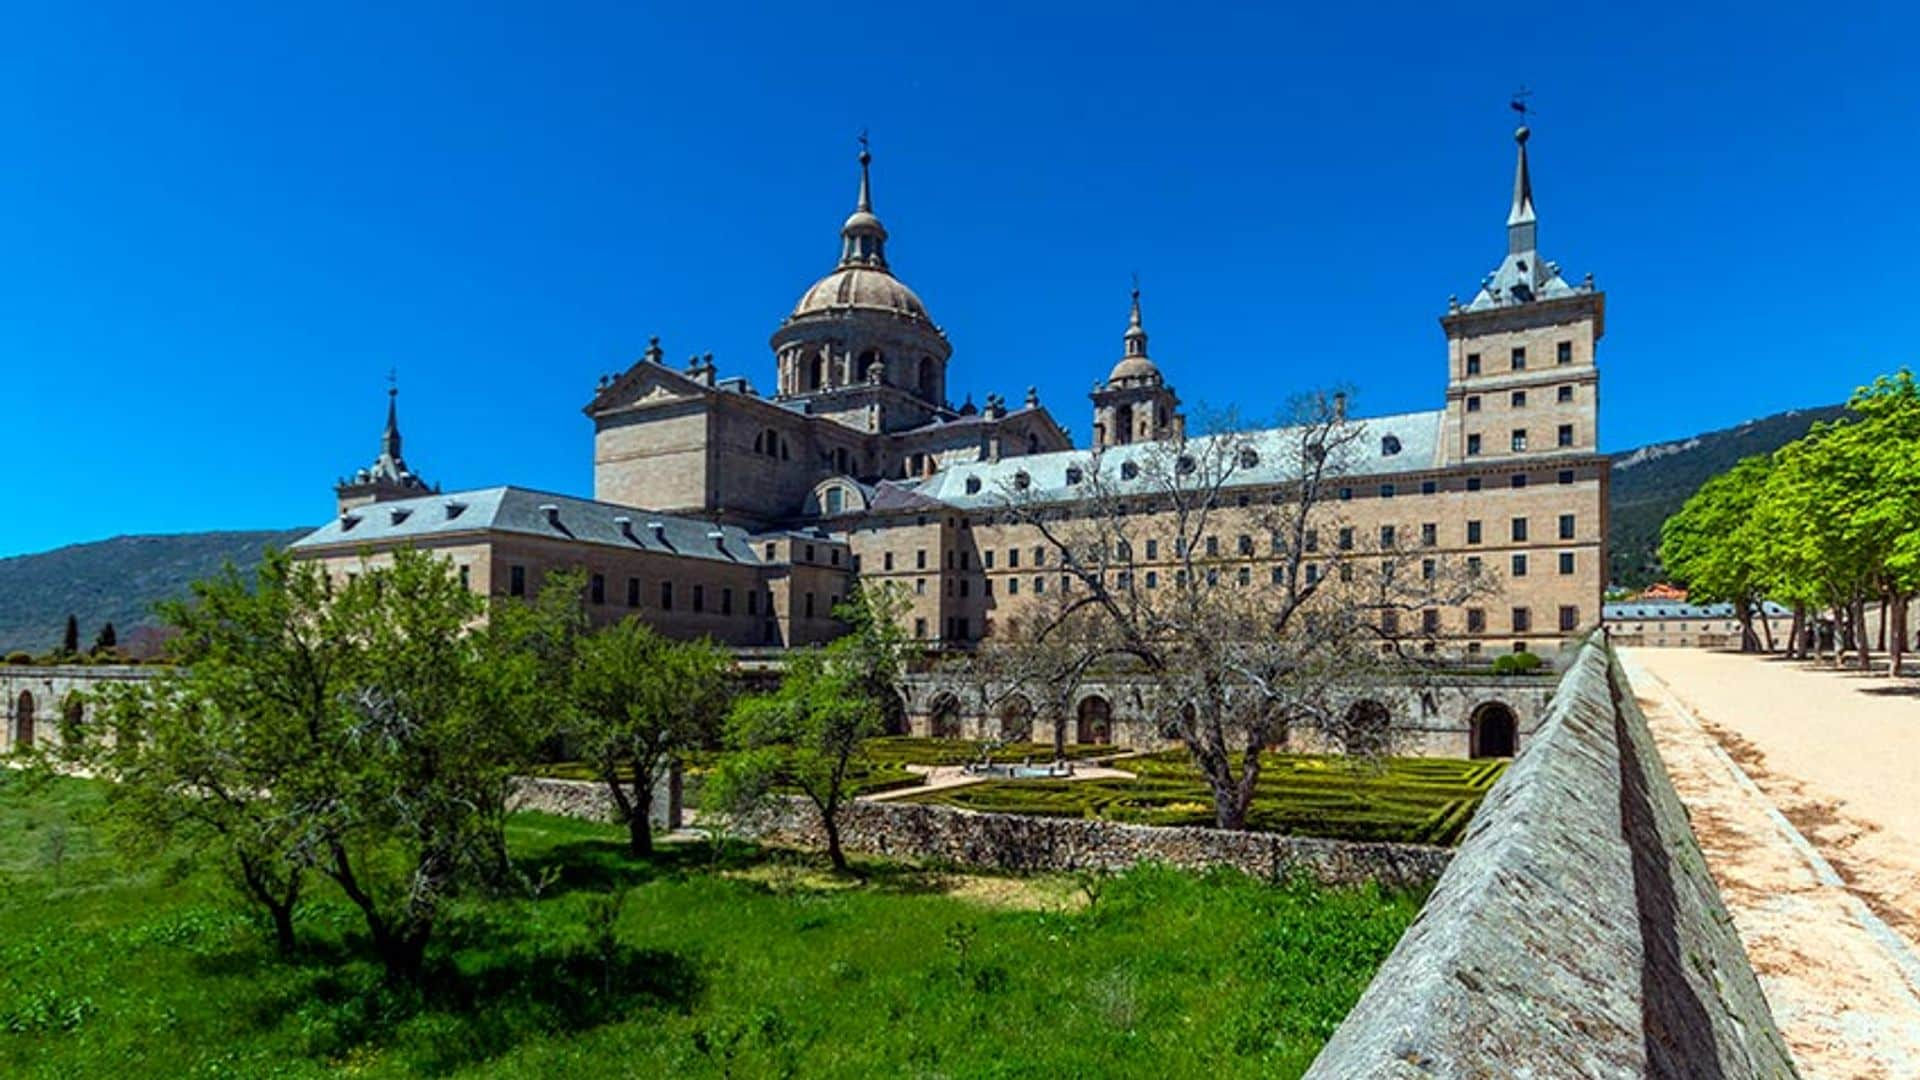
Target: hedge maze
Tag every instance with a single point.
(1407, 800)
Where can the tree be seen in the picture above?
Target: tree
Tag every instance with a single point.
(639, 701)
(106, 639)
(1148, 589)
(207, 754)
(1709, 544)
(809, 731)
(70, 640)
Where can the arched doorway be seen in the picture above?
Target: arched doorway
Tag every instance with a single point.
(893, 714)
(1492, 731)
(1368, 728)
(23, 721)
(943, 719)
(1094, 721)
(1016, 719)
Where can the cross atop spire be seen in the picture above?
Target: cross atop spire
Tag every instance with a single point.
(1136, 337)
(1523, 277)
(390, 439)
(863, 240)
(866, 159)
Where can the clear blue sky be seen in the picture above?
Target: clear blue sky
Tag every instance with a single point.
(220, 228)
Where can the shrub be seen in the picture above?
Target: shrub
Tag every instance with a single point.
(19, 656)
(1519, 663)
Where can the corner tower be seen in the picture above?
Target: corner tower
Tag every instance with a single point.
(1522, 380)
(1135, 404)
(859, 346)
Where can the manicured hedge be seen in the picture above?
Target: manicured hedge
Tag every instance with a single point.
(1409, 800)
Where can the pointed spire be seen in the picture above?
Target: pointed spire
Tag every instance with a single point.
(390, 439)
(1522, 227)
(1136, 333)
(863, 240)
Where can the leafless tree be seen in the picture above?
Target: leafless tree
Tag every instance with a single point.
(1157, 547)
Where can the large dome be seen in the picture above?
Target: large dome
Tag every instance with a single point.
(862, 287)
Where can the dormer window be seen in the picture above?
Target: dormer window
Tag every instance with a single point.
(455, 509)
(973, 485)
(1389, 445)
(399, 514)
(1074, 475)
(1249, 457)
(1022, 481)
(1128, 470)
(348, 521)
(1183, 464)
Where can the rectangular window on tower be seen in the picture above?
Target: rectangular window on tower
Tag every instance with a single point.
(597, 589)
(1473, 363)
(1473, 445)
(1520, 358)
(1565, 436)
(516, 581)
(1565, 352)
(1473, 403)
(633, 592)
(1566, 526)
(1565, 393)
(1519, 439)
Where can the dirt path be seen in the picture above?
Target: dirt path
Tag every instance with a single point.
(951, 776)
(1786, 775)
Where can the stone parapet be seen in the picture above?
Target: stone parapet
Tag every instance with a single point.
(1577, 931)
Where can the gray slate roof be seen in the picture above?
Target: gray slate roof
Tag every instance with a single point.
(518, 510)
(1667, 609)
(1417, 434)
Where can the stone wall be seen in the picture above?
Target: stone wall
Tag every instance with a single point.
(1577, 931)
(1020, 843)
(589, 801)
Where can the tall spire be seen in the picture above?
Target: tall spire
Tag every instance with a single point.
(390, 439)
(1522, 227)
(863, 240)
(1136, 333)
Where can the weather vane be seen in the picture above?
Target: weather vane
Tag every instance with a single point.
(863, 140)
(1518, 102)
(393, 379)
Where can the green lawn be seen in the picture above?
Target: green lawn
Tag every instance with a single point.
(754, 965)
(1412, 800)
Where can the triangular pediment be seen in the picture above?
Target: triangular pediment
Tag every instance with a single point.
(646, 385)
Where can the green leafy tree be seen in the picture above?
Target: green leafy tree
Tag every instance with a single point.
(212, 754)
(639, 701)
(809, 732)
(1711, 547)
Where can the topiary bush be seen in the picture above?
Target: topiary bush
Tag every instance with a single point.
(1520, 663)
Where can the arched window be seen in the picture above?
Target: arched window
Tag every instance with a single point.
(1184, 464)
(835, 500)
(1492, 731)
(1128, 470)
(1249, 457)
(1016, 719)
(1022, 481)
(943, 721)
(973, 485)
(929, 379)
(817, 373)
(23, 722)
(1368, 728)
(1389, 445)
(865, 367)
(1093, 721)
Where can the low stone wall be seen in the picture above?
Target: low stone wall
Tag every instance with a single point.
(1577, 932)
(1017, 842)
(589, 800)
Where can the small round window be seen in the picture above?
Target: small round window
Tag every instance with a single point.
(1389, 445)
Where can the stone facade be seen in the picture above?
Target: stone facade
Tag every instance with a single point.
(34, 700)
(859, 448)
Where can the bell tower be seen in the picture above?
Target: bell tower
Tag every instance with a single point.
(1135, 404)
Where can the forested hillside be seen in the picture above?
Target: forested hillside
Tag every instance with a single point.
(1651, 483)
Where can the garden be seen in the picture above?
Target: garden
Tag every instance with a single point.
(695, 961)
(1406, 800)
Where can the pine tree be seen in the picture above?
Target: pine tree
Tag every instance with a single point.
(107, 639)
(70, 642)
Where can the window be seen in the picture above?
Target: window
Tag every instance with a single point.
(920, 559)
(1312, 540)
(886, 561)
(597, 589)
(920, 628)
(1039, 584)
(833, 556)
(1389, 445)
(964, 583)
(1013, 558)
(1346, 571)
(809, 602)
(1074, 475)
(1564, 394)
(1566, 476)
(1522, 620)
(1566, 526)
(834, 499)
(770, 555)
(1013, 586)
(1246, 544)
(920, 586)
(1346, 538)
(666, 596)
(1245, 577)
(1387, 537)
(1519, 439)
(1313, 573)
(466, 576)
(1519, 566)
(1279, 575)
(1022, 480)
(1248, 457)
(633, 592)
(726, 601)
(1429, 534)
(516, 581)
(1389, 622)
(1128, 470)
(1566, 562)
(1564, 352)
(1517, 529)
(1473, 532)
(1569, 618)
(950, 558)
(1429, 621)
(1473, 403)
(1518, 480)
(1518, 399)
(1565, 435)
(1520, 358)
(1473, 483)
(1386, 491)
(1153, 579)
(1039, 556)
(973, 485)
(753, 602)
(1473, 445)
(1473, 363)
(986, 559)
(1476, 620)
(1213, 546)
(1428, 487)
(1345, 493)
(1153, 549)
(700, 598)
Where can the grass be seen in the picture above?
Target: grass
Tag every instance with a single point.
(751, 964)
(1409, 800)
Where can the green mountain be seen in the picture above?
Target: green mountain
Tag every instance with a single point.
(1651, 483)
(116, 581)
